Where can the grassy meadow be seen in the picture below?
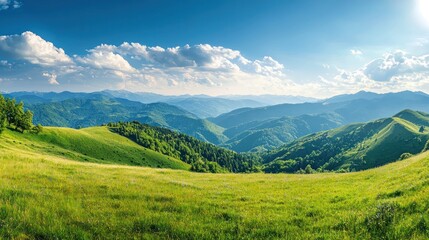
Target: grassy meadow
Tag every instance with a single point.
(58, 188)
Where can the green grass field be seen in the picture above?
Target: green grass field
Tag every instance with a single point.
(46, 194)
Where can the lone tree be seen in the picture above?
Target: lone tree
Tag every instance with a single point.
(13, 115)
(422, 129)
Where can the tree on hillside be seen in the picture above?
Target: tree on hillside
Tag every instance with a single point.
(12, 114)
(25, 121)
(13, 111)
(422, 129)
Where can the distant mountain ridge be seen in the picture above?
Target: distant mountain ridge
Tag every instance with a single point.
(203, 106)
(353, 108)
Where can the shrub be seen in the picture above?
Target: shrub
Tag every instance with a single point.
(379, 223)
(37, 129)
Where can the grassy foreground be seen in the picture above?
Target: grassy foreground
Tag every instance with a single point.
(46, 195)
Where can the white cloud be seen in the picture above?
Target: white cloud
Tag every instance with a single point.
(52, 78)
(32, 48)
(203, 55)
(268, 66)
(6, 4)
(395, 71)
(103, 58)
(395, 64)
(188, 69)
(356, 52)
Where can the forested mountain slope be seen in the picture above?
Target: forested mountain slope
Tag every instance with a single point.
(355, 147)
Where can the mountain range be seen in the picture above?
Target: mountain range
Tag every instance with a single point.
(246, 129)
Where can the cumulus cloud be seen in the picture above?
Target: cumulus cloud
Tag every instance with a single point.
(52, 78)
(268, 66)
(395, 64)
(203, 55)
(395, 71)
(6, 4)
(103, 58)
(356, 52)
(190, 68)
(32, 48)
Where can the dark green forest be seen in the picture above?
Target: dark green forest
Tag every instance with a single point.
(202, 156)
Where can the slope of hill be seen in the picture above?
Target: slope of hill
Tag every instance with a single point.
(95, 144)
(355, 147)
(99, 109)
(45, 196)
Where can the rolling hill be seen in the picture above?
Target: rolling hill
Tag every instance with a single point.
(355, 147)
(45, 195)
(95, 144)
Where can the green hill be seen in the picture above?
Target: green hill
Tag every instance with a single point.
(354, 147)
(96, 144)
(97, 109)
(44, 195)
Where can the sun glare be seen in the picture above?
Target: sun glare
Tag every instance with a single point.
(423, 9)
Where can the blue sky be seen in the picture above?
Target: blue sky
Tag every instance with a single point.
(312, 48)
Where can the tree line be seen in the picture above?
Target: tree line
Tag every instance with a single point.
(202, 156)
(13, 115)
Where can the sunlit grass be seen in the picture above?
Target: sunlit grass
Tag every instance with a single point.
(45, 195)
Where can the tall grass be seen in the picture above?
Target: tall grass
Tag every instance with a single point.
(46, 195)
